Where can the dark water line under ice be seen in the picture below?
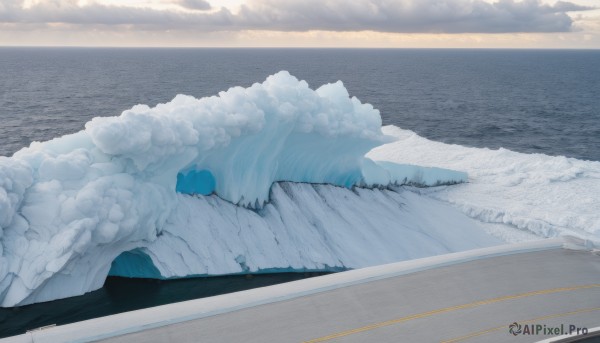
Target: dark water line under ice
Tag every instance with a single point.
(125, 294)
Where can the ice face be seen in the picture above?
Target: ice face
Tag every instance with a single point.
(304, 227)
(70, 206)
(195, 182)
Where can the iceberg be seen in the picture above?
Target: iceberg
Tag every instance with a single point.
(254, 179)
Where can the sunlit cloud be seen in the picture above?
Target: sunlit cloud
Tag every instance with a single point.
(297, 22)
(405, 16)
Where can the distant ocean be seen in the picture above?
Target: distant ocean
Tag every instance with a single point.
(532, 101)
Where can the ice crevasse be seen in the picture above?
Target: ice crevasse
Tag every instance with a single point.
(137, 183)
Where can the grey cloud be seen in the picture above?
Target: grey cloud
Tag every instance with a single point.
(67, 12)
(405, 16)
(195, 4)
(447, 16)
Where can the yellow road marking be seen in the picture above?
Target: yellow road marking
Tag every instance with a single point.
(480, 333)
(449, 309)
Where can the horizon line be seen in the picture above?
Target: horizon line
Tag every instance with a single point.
(289, 47)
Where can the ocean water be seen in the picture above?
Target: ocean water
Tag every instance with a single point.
(532, 101)
(123, 294)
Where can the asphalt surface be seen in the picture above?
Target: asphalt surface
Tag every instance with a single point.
(468, 302)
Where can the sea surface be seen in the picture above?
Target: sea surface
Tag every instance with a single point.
(124, 294)
(533, 101)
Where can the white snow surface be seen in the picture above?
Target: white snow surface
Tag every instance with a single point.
(513, 195)
(310, 227)
(70, 206)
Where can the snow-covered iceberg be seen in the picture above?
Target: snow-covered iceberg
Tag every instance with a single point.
(72, 205)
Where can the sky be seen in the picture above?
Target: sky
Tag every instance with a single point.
(302, 23)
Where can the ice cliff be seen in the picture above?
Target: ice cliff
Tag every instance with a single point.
(183, 189)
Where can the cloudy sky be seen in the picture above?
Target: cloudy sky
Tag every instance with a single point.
(302, 23)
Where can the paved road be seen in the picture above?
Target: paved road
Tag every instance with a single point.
(468, 302)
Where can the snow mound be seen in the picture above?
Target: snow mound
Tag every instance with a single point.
(70, 206)
(510, 193)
